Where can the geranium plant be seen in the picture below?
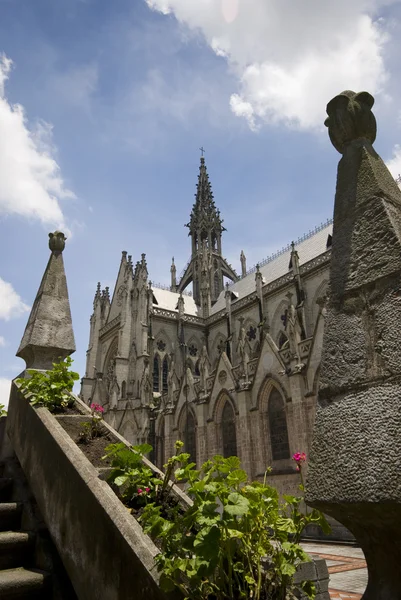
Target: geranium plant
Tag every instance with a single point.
(237, 540)
(92, 429)
(52, 388)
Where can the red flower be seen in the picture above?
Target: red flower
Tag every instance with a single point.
(299, 457)
(147, 489)
(140, 491)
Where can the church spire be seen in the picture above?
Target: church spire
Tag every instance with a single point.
(207, 267)
(205, 221)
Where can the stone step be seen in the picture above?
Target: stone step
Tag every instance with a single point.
(15, 548)
(20, 583)
(10, 515)
(6, 486)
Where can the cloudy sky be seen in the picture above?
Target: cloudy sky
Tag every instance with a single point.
(103, 108)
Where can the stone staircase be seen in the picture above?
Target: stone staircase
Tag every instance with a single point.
(18, 577)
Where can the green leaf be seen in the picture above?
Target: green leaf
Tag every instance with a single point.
(237, 505)
(121, 480)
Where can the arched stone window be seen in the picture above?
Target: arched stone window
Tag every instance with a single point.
(190, 436)
(156, 373)
(228, 431)
(282, 339)
(197, 371)
(159, 449)
(278, 426)
(123, 389)
(216, 284)
(109, 369)
(165, 374)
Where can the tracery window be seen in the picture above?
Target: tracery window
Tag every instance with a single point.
(165, 374)
(190, 435)
(228, 431)
(110, 365)
(216, 284)
(282, 340)
(278, 426)
(156, 374)
(160, 460)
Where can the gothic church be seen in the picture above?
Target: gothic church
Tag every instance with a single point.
(229, 368)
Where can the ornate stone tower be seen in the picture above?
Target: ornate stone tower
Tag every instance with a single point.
(207, 267)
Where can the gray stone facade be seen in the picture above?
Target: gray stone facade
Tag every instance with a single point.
(229, 369)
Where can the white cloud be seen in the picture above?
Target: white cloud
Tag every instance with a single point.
(290, 57)
(30, 180)
(394, 165)
(11, 304)
(5, 385)
(2, 342)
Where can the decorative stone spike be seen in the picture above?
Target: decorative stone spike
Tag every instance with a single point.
(48, 335)
(354, 469)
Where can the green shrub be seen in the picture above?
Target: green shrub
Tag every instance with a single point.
(3, 411)
(51, 388)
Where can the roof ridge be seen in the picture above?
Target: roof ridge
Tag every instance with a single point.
(286, 248)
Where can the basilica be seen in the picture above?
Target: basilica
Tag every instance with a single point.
(226, 361)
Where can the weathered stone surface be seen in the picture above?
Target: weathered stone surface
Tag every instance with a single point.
(49, 335)
(103, 548)
(353, 472)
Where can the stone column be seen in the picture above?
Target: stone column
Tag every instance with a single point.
(354, 469)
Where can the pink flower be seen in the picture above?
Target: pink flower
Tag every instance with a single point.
(140, 491)
(97, 408)
(147, 489)
(299, 457)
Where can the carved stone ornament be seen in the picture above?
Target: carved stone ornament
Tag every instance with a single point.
(350, 119)
(222, 377)
(57, 241)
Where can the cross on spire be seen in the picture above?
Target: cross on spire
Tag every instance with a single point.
(202, 150)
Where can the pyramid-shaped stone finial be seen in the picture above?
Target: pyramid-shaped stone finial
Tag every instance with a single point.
(49, 336)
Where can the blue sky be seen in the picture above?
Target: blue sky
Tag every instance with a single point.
(103, 108)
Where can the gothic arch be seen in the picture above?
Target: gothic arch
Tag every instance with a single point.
(165, 368)
(217, 348)
(273, 422)
(156, 373)
(160, 443)
(187, 431)
(162, 336)
(129, 430)
(225, 417)
(277, 324)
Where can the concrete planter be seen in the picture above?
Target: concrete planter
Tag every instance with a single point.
(103, 548)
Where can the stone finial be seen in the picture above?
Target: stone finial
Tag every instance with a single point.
(57, 242)
(350, 119)
(48, 336)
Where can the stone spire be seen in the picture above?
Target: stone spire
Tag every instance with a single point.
(205, 221)
(354, 469)
(173, 271)
(48, 336)
(205, 228)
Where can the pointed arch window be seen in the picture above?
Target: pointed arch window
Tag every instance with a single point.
(228, 431)
(165, 374)
(278, 426)
(159, 453)
(216, 284)
(190, 436)
(123, 389)
(156, 373)
(282, 340)
(197, 371)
